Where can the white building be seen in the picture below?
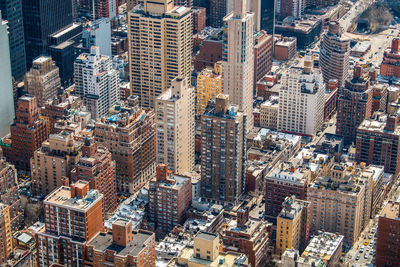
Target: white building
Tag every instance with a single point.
(6, 86)
(96, 81)
(238, 63)
(176, 127)
(301, 101)
(98, 33)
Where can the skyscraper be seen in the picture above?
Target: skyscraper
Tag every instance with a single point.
(43, 80)
(267, 15)
(238, 59)
(6, 86)
(175, 126)
(42, 18)
(334, 56)
(289, 8)
(217, 12)
(223, 152)
(96, 81)
(160, 42)
(11, 10)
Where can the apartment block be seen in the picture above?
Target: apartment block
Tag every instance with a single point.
(262, 55)
(334, 54)
(210, 48)
(176, 127)
(96, 82)
(160, 41)
(129, 134)
(209, 85)
(269, 113)
(97, 167)
(391, 58)
(289, 8)
(6, 240)
(238, 59)
(43, 80)
(73, 216)
(199, 19)
(170, 195)
(301, 100)
(285, 49)
(223, 146)
(27, 133)
(53, 162)
(122, 247)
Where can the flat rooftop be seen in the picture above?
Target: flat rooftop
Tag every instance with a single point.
(391, 211)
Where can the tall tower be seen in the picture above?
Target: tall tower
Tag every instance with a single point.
(238, 63)
(11, 10)
(160, 44)
(175, 126)
(6, 87)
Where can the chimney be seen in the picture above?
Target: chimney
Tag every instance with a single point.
(334, 28)
(221, 104)
(162, 172)
(65, 181)
(391, 123)
(122, 232)
(242, 216)
(80, 189)
(333, 84)
(357, 72)
(90, 148)
(395, 45)
(372, 75)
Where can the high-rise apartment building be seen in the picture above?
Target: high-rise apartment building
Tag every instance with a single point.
(378, 142)
(387, 244)
(238, 59)
(289, 8)
(160, 43)
(97, 167)
(27, 133)
(170, 195)
(292, 225)
(262, 55)
(43, 80)
(42, 18)
(6, 240)
(54, 161)
(11, 10)
(334, 54)
(73, 216)
(341, 202)
(96, 81)
(391, 58)
(199, 19)
(223, 152)
(175, 126)
(301, 100)
(209, 85)
(98, 33)
(129, 134)
(6, 87)
(354, 104)
(9, 193)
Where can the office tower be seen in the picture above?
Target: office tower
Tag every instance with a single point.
(97, 167)
(218, 10)
(129, 134)
(175, 126)
(124, 247)
(6, 87)
(223, 146)
(43, 80)
(160, 41)
(391, 59)
(199, 19)
(249, 236)
(6, 240)
(98, 33)
(341, 201)
(9, 193)
(387, 244)
(283, 181)
(334, 54)
(267, 19)
(42, 18)
(27, 133)
(292, 225)
(378, 142)
(238, 60)
(262, 55)
(354, 104)
(96, 82)
(53, 162)
(289, 8)
(209, 85)
(73, 216)
(170, 195)
(301, 100)
(11, 11)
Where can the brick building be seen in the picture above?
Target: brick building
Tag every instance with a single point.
(285, 49)
(97, 167)
(210, 48)
(262, 55)
(391, 59)
(6, 242)
(170, 195)
(27, 133)
(199, 19)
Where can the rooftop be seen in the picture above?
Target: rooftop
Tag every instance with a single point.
(323, 246)
(391, 211)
